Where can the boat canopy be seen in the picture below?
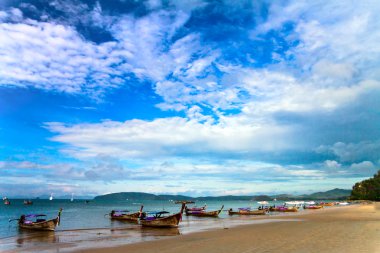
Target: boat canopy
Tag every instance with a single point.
(157, 212)
(121, 211)
(294, 202)
(34, 215)
(244, 208)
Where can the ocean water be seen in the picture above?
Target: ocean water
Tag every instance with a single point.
(85, 224)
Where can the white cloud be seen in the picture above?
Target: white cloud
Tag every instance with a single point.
(332, 164)
(365, 167)
(353, 152)
(56, 57)
(169, 136)
(52, 57)
(6, 165)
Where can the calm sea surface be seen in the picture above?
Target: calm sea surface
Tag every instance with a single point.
(84, 224)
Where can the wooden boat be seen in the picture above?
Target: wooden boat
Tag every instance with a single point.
(203, 213)
(247, 211)
(38, 222)
(283, 209)
(313, 207)
(124, 215)
(327, 204)
(290, 209)
(158, 219)
(195, 208)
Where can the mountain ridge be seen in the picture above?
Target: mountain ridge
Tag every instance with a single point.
(334, 194)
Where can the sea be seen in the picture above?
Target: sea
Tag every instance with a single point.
(85, 224)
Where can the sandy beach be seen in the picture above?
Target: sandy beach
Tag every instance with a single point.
(340, 229)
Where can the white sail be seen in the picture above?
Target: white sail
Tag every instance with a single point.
(51, 197)
(72, 197)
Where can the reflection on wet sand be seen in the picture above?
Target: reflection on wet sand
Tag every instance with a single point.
(36, 237)
(120, 233)
(44, 241)
(158, 232)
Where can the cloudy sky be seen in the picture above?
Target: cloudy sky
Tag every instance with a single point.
(190, 97)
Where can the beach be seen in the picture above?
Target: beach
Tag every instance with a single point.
(338, 229)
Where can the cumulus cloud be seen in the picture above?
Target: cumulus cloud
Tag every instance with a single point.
(365, 167)
(354, 152)
(169, 136)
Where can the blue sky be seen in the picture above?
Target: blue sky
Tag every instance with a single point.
(188, 97)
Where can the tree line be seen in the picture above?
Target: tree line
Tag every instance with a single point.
(368, 189)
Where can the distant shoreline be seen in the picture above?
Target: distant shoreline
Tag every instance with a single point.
(334, 194)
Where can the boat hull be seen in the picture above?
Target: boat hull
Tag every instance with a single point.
(256, 212)
(285, 210)
(134, 217)
(48, 225)
(203, 214)
(169, 221)
(312, 207)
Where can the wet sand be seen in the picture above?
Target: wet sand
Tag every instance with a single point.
(342, 229)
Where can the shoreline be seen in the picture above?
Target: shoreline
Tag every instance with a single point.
(269, 233)
(339, 229)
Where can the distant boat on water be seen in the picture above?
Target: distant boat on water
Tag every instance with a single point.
(6, 201)
(28, 202)
(51, 197)
(72, 197)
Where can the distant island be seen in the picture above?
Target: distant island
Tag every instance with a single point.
(335, 194)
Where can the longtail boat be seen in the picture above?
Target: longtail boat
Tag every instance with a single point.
(327, 204)
(38, 222)
(124, 215)
(159, 219)
(195, 208)
(283, 209)
(203, 213)
(246, 211)
(313, 207)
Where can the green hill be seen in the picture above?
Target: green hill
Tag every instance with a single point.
(335, 194)
(332, 194)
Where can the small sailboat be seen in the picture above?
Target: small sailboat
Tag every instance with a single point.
(51, 197)
(72, 197)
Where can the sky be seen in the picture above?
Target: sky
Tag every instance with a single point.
(202, 98)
